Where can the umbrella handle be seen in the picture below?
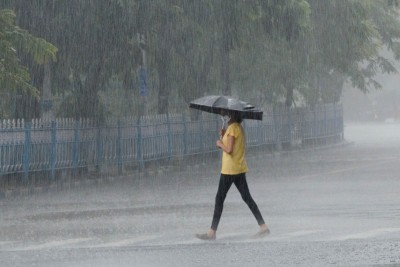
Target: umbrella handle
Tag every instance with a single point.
(222, 132)
(223, 122)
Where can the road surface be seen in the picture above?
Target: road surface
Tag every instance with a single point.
(337, 205)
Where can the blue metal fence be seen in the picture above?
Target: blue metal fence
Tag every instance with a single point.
(28, 147)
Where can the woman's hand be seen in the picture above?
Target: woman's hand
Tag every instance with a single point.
(219, 144)
(229, 147)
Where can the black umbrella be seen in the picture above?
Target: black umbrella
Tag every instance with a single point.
(224, 105)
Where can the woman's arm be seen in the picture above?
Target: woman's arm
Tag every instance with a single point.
(229, 146)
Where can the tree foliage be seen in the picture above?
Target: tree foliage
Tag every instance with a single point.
(271, 51)
(14, 42)
(347, 40)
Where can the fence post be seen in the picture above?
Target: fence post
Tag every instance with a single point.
(27, 150)
(303, 124)
(76, 154)
(258, 134)
(335, 128)
(99, 148)
(185, 132)
(315, 122)
(278, 143)
(341, 122)
(53, 152)
(289, 128)
(119, 147)
(325, 125)
(139, 143)
(169, 137)
(201, 135)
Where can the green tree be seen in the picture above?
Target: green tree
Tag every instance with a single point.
(275, 50)
(329, 43)
(345, 44)
(93, 39)
(176, 43)
(272, 54)
(14, 43)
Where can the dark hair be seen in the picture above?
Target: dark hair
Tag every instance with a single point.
(236, 116)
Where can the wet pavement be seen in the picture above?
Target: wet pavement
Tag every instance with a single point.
(338, 205)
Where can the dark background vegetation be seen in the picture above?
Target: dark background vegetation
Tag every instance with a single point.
(83, 57)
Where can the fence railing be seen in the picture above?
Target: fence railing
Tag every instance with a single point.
(42, 146)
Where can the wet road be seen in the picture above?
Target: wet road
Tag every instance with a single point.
(325, 206)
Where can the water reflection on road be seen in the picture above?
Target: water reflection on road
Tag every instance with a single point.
(336, 205)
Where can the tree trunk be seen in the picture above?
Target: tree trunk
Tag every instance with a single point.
(90, 102)
(163, 86)
(47, 99)
(289, 96)
(143, 96)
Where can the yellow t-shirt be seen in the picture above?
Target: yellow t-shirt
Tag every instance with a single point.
(235, 162)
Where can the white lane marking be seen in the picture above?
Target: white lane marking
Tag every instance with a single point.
(125, 242)
(50, 244)
(368, 234)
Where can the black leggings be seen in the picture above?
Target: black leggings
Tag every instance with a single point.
(240, 182)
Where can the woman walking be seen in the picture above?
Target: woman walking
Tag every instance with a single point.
(233, 171)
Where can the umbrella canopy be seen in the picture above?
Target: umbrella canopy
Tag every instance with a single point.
(224, 104)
